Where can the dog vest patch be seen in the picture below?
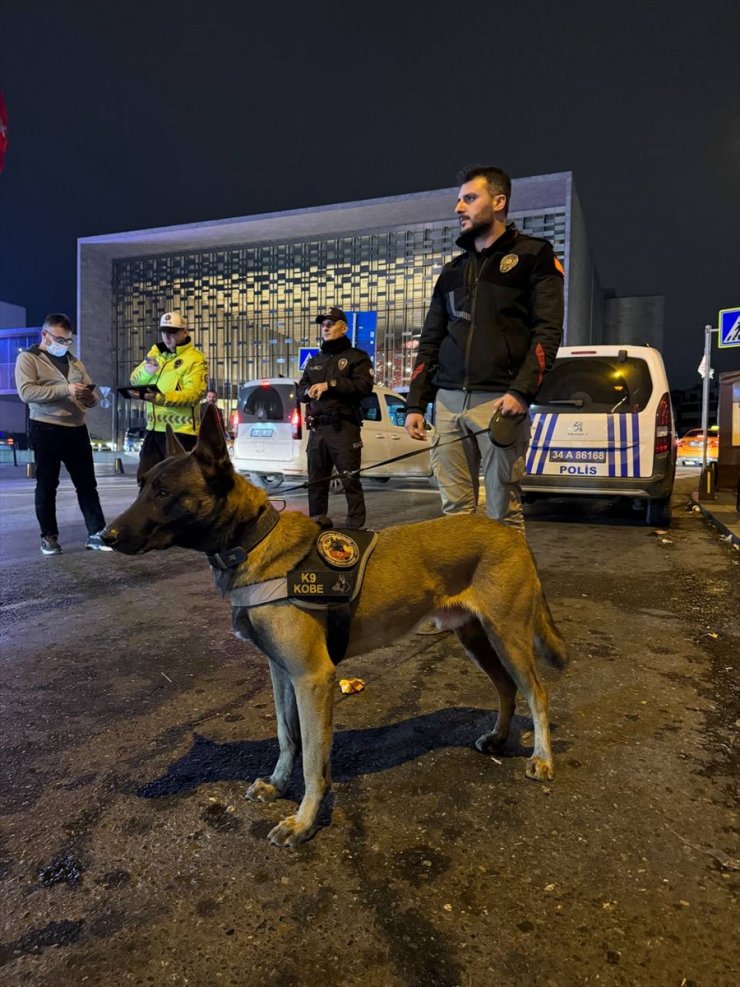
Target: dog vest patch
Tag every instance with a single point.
(333, 570)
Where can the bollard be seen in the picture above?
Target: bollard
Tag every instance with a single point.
(31, 471)
(118, 466)
(708, 483)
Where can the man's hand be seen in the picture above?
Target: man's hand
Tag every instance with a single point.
(510, 404)
(150, 365)
(78, 392)
(415, 425)
(148, 396)
(316, 390)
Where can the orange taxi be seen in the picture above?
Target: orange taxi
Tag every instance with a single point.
(690, 449)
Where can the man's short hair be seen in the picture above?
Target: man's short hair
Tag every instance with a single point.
(57, 319)
(497, 180)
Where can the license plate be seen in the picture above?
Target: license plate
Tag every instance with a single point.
(577, 455)
(260, 433)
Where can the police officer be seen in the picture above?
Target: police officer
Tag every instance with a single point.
(333, 384)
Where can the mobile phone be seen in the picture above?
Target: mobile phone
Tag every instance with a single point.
(90, 387)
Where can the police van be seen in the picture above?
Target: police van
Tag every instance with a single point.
(603, 426)
(271, 434)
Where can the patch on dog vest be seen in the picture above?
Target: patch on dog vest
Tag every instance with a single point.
(333, 570)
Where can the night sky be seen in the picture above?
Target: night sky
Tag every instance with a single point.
(129, 115)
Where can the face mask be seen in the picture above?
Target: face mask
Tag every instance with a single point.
(56, 350)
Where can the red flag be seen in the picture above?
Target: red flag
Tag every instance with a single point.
(3, 130)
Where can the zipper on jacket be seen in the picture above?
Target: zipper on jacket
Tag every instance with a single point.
(469, 344)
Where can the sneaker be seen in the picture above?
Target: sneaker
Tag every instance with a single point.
(50, 545)
(96, 543)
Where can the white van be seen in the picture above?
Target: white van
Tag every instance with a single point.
(271, 434)
(603, 425)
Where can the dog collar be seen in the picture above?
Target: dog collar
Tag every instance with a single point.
(259, 529)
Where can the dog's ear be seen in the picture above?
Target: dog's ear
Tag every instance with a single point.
(211, 446)
(172, 444)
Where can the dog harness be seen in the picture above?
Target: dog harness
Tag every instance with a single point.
(329, 578)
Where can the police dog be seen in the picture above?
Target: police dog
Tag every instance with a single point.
(473, 575)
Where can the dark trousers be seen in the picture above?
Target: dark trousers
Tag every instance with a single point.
(341, 447)
(69, 444)
(154, 450)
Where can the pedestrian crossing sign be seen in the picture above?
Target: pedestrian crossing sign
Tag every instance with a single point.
(305, 354)
(729, 327)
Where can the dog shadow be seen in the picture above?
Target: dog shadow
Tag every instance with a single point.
(354, 752)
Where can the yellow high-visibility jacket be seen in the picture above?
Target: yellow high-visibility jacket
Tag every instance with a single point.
(182, 378)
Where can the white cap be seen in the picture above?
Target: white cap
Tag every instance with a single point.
(172, 321)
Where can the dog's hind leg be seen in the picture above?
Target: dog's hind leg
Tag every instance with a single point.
(475, 641)
(518, 659)
(315, 699)
(289, 739)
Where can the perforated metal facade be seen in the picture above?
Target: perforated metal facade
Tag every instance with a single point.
(251, 308)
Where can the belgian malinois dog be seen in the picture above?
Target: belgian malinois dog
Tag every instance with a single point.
(473, 575)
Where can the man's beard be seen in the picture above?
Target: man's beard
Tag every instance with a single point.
(479, 227)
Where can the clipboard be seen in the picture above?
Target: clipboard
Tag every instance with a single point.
(136, 391)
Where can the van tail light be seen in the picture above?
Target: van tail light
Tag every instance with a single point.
(235, 420)
(296, 424)
(663, 426)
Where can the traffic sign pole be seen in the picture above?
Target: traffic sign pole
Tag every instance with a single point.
(707, 364)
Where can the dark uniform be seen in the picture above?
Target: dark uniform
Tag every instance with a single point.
(334, 421)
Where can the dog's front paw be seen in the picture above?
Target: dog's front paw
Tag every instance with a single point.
(261, 791)
(290, 832)
(540, 769)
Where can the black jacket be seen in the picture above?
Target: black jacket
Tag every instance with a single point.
(350, 377)
(495, 321)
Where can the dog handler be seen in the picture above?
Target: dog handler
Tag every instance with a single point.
(491, 334)
(178, 375)
(333, 384)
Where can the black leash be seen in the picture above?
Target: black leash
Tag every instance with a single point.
(386, 462)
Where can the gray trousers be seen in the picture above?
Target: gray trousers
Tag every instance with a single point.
(457, 466)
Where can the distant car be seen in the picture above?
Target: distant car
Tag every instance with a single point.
(133, 439)
(690, 450)
(271, 434)
(603, 426)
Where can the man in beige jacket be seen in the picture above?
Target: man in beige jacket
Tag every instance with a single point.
(58, 391)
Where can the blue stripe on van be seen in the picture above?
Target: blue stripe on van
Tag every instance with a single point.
(610, 444)
(636, 444)
(623, 444)
(538, 421)
(546, 443)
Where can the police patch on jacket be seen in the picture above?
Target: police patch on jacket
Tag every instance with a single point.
(342, 363)
(508, 263)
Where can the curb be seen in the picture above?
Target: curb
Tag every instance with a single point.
(716, 521)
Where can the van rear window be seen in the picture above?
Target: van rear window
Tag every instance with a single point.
(267, 402)
(596, 384)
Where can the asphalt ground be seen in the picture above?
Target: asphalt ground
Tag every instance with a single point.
(132, 721)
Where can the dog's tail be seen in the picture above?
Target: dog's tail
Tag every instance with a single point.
(548, 641)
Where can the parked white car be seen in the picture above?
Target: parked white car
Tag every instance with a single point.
(271, 437)
(603, 425)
